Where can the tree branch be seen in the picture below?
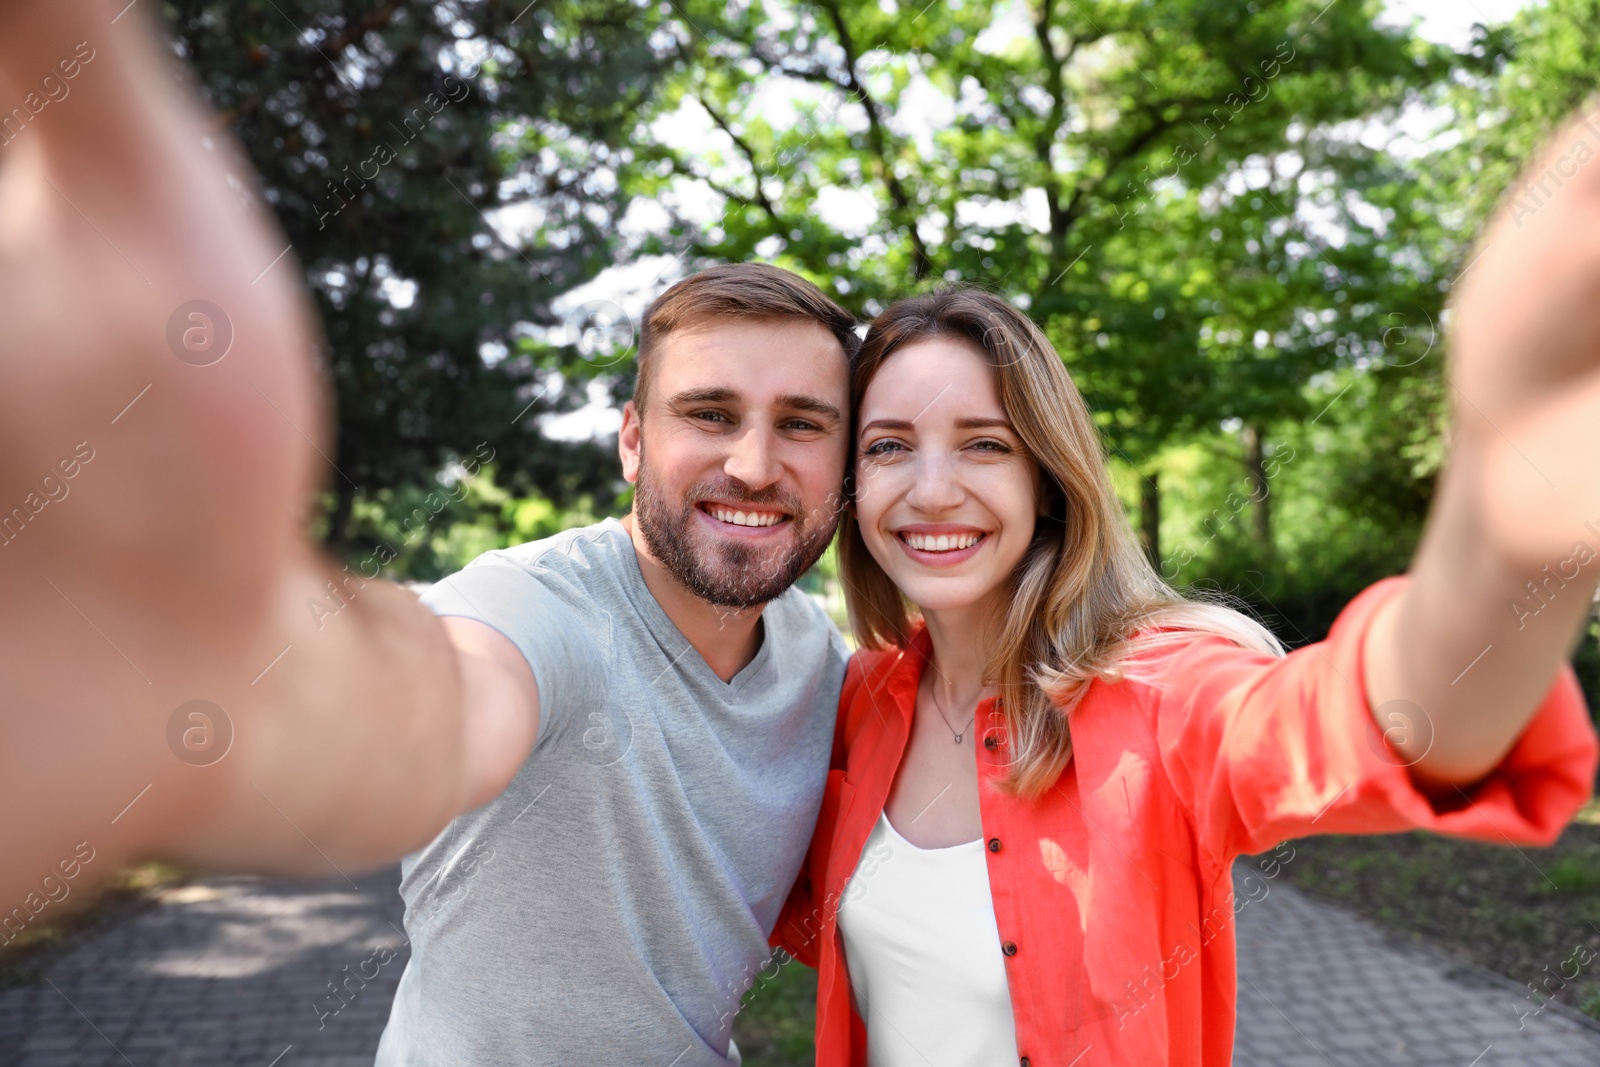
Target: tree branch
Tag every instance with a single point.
(749, 155)
(921, 263)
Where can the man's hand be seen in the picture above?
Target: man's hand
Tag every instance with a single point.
(172, 565)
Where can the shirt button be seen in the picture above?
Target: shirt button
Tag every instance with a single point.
(990, 742)
(1008, 947)
(994, 844)
(1024, 1062)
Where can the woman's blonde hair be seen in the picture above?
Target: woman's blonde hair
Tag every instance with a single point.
(1083, 588)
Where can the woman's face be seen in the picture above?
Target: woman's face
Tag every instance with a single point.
(946, 496)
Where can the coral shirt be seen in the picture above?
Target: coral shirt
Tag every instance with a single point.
(1112, 892)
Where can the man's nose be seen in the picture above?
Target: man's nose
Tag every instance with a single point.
(753, 459)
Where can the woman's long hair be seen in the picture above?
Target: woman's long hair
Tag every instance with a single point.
(1083, 587)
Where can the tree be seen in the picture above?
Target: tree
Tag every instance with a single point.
(443, 172)
(1172, 189)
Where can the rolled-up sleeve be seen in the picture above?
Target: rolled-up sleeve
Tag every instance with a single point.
(568, 666)
(1268, 748)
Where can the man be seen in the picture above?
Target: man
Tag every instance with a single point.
(678, 730)
(611, 905)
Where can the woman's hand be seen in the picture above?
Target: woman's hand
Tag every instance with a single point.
(1503, 582)
(1524, 349)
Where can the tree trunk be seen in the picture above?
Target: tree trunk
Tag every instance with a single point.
(339, 519)
(1150, 517)
(1255, 464)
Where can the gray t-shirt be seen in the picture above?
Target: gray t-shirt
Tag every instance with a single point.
(614, 902)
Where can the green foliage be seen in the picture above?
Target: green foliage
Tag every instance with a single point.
(1578, 874)
(1350, 491)
(1195, 199)
(1177, 192)
(422, 535)
(1138, 175)
(384, 134)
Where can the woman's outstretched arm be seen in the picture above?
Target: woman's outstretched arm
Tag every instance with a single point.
(1503, 582)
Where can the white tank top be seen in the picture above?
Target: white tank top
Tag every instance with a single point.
(923, 953)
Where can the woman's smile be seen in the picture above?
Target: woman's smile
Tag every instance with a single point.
(940, 544)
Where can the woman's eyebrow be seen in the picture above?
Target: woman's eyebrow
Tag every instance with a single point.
(888, 424)
(966, 422)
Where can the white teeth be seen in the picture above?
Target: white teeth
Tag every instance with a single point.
(943, 542)
(742, 518)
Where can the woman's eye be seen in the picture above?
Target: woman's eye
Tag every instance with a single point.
(991, 446)
(879, 448)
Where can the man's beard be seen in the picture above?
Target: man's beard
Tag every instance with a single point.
(727, 573)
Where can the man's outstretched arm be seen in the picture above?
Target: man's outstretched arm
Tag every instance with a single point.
(172, 564)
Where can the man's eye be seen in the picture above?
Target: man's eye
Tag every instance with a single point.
(709, 416)
(801, 424)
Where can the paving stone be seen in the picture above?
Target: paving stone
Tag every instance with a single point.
(1362, 995)
(228, 972)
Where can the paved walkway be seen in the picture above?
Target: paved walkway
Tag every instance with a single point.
(239, 971)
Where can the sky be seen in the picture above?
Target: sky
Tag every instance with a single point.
(1450, 21)
(622, 292)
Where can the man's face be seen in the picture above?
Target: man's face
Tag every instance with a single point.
(739, 456)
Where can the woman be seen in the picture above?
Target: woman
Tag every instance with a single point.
(1047, 759)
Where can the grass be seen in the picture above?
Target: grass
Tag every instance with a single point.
(1521, 912)
(127, 890)
(775, 1023)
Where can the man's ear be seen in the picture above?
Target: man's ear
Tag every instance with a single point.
(630, 440)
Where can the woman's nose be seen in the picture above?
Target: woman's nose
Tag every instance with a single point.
(936, 487)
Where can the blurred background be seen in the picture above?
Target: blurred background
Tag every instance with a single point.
(1237, 221)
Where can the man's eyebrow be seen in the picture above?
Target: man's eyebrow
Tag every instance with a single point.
(707, 395)
(814, 404)
(723, 395)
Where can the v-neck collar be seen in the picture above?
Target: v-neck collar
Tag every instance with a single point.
(680, 650)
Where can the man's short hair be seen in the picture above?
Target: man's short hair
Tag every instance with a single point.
(738, 291)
